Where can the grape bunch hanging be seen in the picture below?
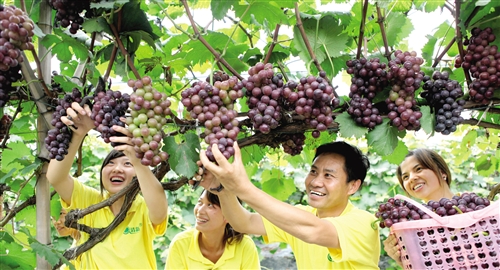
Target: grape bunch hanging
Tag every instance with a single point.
(212, 105)
(59, 137)
(16, 32)
(148, 111)
(397, 210)
(5, 123)
(443, 95)
(482, 61)
(68, 13)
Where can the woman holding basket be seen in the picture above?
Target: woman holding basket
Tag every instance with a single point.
(423, 175)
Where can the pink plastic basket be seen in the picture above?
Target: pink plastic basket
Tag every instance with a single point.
(463, 241)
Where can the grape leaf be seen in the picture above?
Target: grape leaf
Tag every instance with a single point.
(134, 19)
(220, 8)
(485, 165)
(98, 25)
(348, 127)
(428, 49)
(469, 139)
(431, 6)
(264, 12)
(398, 155)
(275, 184)
(383, 138)
(427, 120)
(183, 156)
(398, 28)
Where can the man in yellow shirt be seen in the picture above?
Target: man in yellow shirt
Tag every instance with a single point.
(329, 233)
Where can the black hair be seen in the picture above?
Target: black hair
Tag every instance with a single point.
(230, 235)
(356, 164)
(112, 155)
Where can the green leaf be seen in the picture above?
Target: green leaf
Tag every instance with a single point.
(19, 154)
(428, 49)
(275, 184)
(398, 155)
(98, 24)
(263, 12)
(15, 256)
(252, 153)
(183, 156)
(107, 4)
(482, 3)
(427, 119)
(383, 138)
(469, 139)
(348, 127)
(485, 165)
(7, 176)
(135, 19)
(220, 8)
(398, 28)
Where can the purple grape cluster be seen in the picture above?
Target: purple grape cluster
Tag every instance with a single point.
(107, 109)
(68, 13)
(405, 77)
(5, 123)
(59, 137)
(311, 98)
(264, 91)
(148, 111)
(293, 143)
(396, 210)
(16, 32)
(213, 107)
(443, 96)
(482, 60)
(369, 78)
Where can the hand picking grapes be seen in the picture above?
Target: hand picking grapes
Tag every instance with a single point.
(148, 213)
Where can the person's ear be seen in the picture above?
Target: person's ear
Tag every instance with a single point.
(354, 186)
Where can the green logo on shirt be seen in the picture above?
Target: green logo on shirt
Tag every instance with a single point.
(329, 257)
(132, 230)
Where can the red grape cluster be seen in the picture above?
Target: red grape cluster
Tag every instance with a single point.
(443, 96)
(107, 109)
(264, 91)
(16, 32)
(5, 123)
(482, 60)
(369, 78)
(148, 111)
(397, 210)
(293, 143)
(312, 99)
(68, 13)
(59, 137)
(405, 77)
(213, 107)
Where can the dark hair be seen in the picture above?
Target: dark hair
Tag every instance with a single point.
(356, 164)
(112, 155)
(230, 235)
(429, 160)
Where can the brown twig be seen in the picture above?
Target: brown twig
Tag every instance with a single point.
(123, 50)
(271, 47)
(458, 35)
(40, 74)
(218, 56)
(440, 56)
(494, 191)
(91, 50)
(475, 122)
(362, 28)
(111, 61)
(380, 21)
(305, 39)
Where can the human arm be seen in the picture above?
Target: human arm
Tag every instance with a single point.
(392, 248)
(240, 218)
(297, 222)
(151, 188)
(58, 171)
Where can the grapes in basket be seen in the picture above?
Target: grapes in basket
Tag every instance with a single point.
(397, 210)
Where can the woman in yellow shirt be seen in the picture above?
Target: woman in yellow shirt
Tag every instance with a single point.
(212, 243)
(423, 175)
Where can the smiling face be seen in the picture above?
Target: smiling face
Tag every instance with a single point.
(117, 174)
(421, 182)
(208, 215)
(327, 187)
(59, 224)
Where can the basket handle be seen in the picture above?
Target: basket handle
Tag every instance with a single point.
(441, 220)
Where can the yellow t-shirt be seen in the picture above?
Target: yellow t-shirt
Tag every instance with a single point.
(185, 253)
(128, 246)
(359, 242)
